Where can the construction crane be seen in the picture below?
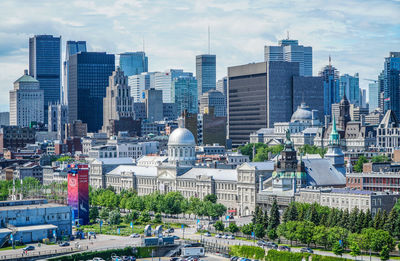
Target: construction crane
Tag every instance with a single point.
(371, 80)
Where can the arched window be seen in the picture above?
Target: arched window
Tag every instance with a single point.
(180, 152)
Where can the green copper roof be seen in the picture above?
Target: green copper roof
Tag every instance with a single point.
(26, 78)
(334, 137)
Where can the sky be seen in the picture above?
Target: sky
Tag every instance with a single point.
(357, 34)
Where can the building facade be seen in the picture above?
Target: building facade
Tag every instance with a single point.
(26, 102)
(205, 73)
(350, 86)
(330, 76)
(373, 95)
(184, 94)
(213, 99)
(133, 63)
(58, 117)
(139, 83)
(154, 105)
(391, 81)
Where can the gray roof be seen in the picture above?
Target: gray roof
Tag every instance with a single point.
(26, 78)
(137, 170)
(217, 174)
(265, 131)
(389, 120)
(266, 165)
(118, 161)
(321, 172)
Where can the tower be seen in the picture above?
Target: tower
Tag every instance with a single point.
(334, 153)
(344, 113)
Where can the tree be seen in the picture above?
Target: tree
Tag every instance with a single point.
(114, 217)
(360, 221)
(378, 219)
(288, 230)
(355, 250)
(391, 223)
(290, 213)
(247, 229)
(312, 214)
(172, 203)
(380, 158)
(219, 226)
(104, 213)
(233, 228)
(131, 217)
(144, 217)
(157, 218)
(336, 234)
(274, 217)
(93, 214)
(368, 222)
(353, 218)
(358, 167)
(272, 234)
(304, 232)
(384, 254)
(338, 249)
(259, 231)
(320, 236)
(211, 197)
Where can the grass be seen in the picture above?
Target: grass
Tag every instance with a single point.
(10, 247)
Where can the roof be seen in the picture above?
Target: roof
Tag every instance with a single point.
(110, 161)
(152, 159)
(33, 206)
(26, 78)
(137, 170)
(217, 174)
(181, 136)
(303, 113)
(352, 191)
(265, 131)
(321, 172)
(37, 227)
(389, 119)
(266, 165)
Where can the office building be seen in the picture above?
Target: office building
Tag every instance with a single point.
(205, 73)
(222, 86)
(391, 80)
(388, 132)
(358, 113)
(26, 102)
(350, 86)
(133, 63)
(14, 137)
(45, 66)
(29, 170)
(373, 90)
(4, 118)
(260, 94)
(291, 51)
(309, 90)
(331, 87)
(381, 88)
(118, 103)
(87, 83)
(184, 94)
(76, 129)
(169, 111)
(163, 82)
(58, 117)
(363, 98)
(139, 83)
(213, 99)
(154, 105)
(72, 47)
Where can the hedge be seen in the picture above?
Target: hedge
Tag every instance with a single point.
(252, 252)
(106, 254)
(274, 255)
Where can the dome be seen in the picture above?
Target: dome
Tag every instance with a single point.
(303, 113)
(181, 136)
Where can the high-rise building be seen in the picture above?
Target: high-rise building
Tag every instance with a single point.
(58, 117)
(309, 90)
(26, 102)
(205, 73)
(213, 99)
(72, 48)
(154, 105)
(118, 103)
(184, 94)
(87, 83)
(291, 51)
(391, 74)
(331, 87)
(222, 86)
(381, 88)
(139, 83)
(133, 63)
(373, 91)
(363, 98)
(4, 118)
(163, 82)
(45, 66)
(259, 94)
(350, 86)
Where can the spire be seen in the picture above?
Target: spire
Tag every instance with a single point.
(334, 137)
(334, 125)
(329, 60)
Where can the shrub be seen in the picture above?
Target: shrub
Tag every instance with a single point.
(248, 251)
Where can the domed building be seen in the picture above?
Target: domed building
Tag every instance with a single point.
(181, 147)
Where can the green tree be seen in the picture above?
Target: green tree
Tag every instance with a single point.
(93, 214)
(259, 231)
(355, 250)
(157, 218)
(312, 214)
(290, 213)
(114, 217)
(304, 232)
(368, 222)
(380, 158)
(360, 221)
(219, 226)
(104, 213)
(320, 235)
(233, 228)
(391, 223)
(384, 254)
(247, 229)
(353, 218)
(211, 197)
(288, 230)
(144, 217)
(338, 249)
(172, 203)
(131, 217)
(274, 217)
(378, 219)
(272, 234)
(358, 167)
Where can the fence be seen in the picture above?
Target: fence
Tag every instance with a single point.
(51, 252)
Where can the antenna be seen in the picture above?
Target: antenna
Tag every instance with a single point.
(143, 42)
(209, 39)
(329, 60)
(287, 33)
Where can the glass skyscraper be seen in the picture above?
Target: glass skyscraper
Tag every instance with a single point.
(72, 48)
(331, 87)
(373, 91)
(45, 66)
(290, 51)
(205, 73)
(392, 83)
(87, 82)
(163, 82)
(133, 63)
(350, 85)
(184, 94)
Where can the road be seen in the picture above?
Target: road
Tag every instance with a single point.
(208, 257)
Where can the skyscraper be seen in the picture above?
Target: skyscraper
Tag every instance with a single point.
(373, 90)
(72, 48)
(350, 86)
(58, 117)
(133, 63)
(205, 73)
(291, 51)
(154, 105)
(45, 66)
(392, 83)
(222, 85)
(331, 86)
(87, 83)
(163, 82)
(259, 94)
(26, 101)
(184, 94)
(139, 83)
(214, 99)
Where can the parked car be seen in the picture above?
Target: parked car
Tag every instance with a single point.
(231, 237)
(176, 237)
(98, 259)
(64, 244)
(28, 248)
(207, 234)
(271, 245)
(261, 243)
(170, 230)
(284, 248)
(244, 259)
(307, 250)
(225, 236)
(175, 259)
(134, 235)
(234, 258)
(218, 236)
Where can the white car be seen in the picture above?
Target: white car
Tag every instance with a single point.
(98, 259)
(134, 235)
(218, 236)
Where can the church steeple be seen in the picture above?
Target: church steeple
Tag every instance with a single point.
(334, 136)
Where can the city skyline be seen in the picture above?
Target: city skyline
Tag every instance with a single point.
(174, 34)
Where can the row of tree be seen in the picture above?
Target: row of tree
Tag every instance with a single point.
(358, 166)
(171, 203)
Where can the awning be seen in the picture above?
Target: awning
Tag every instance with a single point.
(232, 211)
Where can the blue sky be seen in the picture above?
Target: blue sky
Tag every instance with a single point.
(357, 34)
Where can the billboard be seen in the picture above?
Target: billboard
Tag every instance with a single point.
(78, 193)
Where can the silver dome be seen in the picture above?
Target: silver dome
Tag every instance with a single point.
(181, 136)
(303, 113)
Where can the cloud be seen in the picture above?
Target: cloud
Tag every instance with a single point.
(357, 34)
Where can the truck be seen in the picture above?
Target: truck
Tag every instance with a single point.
(192, 251)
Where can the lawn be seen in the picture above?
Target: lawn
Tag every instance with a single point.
(10, 247)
